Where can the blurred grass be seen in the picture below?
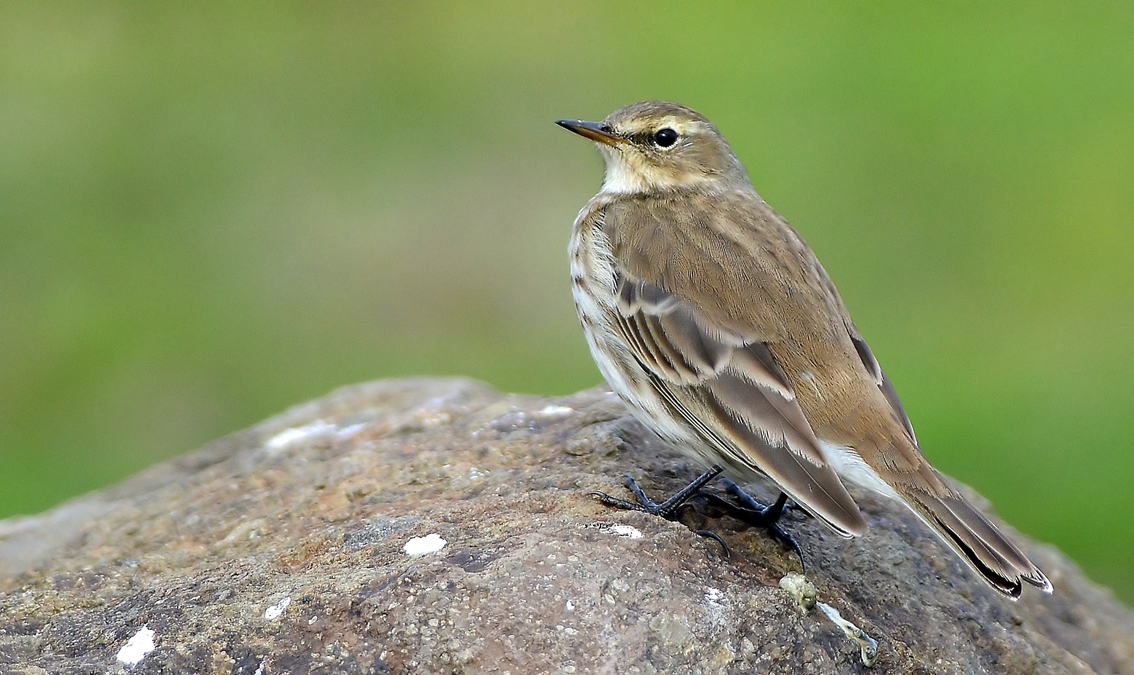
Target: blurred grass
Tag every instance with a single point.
(209, 212)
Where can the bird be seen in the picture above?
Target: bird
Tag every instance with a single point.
(712, 319)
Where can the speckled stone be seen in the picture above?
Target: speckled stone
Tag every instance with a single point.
(283, 549)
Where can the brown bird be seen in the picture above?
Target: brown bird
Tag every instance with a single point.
(709, 315)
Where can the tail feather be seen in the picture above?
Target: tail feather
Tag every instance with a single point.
(977, 541)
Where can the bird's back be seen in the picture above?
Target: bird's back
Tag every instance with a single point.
(706, 249)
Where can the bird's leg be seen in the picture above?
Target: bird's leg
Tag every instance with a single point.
(758, 515)
(670, 509)
(752, 511)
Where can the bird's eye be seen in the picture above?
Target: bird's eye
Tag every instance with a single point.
(665, 137)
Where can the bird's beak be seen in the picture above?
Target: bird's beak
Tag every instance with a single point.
(596, 131)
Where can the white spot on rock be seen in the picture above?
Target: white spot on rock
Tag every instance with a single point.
(296, 434)
(276, 611)
(347, 432)
(137, 647)
(430, 543)
(245, 531)
(713, 597)
(555, 411)
(626, 531)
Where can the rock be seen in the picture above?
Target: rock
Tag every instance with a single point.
(436, 526)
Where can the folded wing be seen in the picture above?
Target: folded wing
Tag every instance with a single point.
(730, 388)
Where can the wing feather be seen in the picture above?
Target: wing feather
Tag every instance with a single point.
(977, 541)
(881, 380)
(734, 393)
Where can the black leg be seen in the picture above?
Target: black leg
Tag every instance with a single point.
(756, 514)
(670, 509)
(748, 511)
(709, 534)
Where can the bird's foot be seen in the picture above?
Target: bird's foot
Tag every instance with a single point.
(670, 509)
(752, 512)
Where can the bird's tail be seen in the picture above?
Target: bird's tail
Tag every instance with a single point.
(977, 541)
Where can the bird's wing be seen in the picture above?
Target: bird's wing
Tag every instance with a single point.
(731, 389)
(881, 380)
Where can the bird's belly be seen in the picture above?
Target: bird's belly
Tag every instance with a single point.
(593, 289)
(627, 379)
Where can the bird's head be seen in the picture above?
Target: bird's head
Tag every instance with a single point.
(656, 146)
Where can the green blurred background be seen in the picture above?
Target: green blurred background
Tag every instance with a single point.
(211, 212)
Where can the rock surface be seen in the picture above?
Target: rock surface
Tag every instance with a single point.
(436, 526)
